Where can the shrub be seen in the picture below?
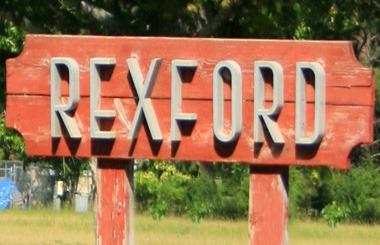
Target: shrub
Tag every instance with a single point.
(202, 197)
(359, 191)
(163, 188)
(333, 214)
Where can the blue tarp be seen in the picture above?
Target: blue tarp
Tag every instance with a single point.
(7, 188)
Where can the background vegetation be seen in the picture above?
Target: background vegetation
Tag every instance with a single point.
(167, 188)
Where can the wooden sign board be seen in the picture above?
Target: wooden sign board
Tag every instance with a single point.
(264, 102)
(267, 102)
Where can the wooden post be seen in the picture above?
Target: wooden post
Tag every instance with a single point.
(114, 202)
(268, 205)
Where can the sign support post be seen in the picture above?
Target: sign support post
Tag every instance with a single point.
(268, 204)
(114, 209)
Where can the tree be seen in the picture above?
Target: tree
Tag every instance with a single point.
(11, 144)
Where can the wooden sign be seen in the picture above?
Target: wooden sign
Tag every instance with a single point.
(269, 103)
(255, 101)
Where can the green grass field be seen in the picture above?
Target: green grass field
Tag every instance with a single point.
(68, 227)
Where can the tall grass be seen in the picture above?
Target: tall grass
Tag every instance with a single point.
(319, 233)
(175, 230)
(67, 227)
(46, 226)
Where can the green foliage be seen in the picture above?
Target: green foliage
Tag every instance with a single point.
(164, 188)
(337, 196)
(161, 190)
(233, 188)
(11, 39)
(334, 214)
(370, 212)
(11, 43)
(201, 196)
(358, 190)
(146, 188)
(308, 191)
(300, 193)
(11, 144)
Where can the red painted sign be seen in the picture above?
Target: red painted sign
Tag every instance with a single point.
(267, 102)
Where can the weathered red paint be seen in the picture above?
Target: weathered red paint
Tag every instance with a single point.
(348, 122)
(268, 205)
(114, 202)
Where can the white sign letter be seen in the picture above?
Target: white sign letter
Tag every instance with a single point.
(218, 100)
(96, 114)
(144, 90)
(263, 69)
(57, 108)
(304, 71)
(177, 115)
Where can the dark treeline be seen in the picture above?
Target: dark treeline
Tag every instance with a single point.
(165, 188)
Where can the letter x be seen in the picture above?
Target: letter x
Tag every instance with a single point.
(144, 106)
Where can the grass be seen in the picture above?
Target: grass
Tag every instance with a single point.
(175, 230)
(68, 227)
(318, 233)
(46, 227)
